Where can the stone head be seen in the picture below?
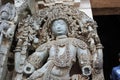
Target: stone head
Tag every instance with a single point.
(59, 27)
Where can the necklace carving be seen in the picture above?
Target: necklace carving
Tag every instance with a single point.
(62, 60)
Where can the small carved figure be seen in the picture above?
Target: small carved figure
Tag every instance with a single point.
(7, 26)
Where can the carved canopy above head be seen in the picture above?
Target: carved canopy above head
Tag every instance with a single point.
(37, 29)
(77, 20)
(79, 24)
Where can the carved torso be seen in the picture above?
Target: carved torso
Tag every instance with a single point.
(62, 55)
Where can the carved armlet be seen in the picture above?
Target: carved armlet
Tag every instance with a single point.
(79, 43)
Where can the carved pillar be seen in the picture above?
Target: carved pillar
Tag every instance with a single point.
(6, 36)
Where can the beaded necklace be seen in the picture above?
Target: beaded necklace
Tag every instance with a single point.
(64, 59)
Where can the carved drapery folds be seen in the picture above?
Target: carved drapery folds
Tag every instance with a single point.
(36, 45)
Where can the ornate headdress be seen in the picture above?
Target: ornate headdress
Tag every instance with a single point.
(78, 22)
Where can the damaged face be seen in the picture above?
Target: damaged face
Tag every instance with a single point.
(59, 27)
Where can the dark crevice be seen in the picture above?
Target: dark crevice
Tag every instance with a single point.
(109, 33)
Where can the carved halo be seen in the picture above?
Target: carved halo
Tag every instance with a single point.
(72, 16)
(78, 22)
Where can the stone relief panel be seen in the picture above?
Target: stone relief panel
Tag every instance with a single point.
(46, 45)
(79, 31)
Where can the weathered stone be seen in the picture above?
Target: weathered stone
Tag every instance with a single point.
(49, 40)
(7, 28)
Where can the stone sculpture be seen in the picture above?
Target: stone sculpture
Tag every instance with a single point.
(49, 43)
(56, 37)
(61, 53)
